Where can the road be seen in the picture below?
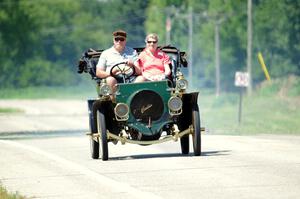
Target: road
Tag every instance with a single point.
(57, 164)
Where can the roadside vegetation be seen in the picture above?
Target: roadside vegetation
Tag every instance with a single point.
(274, 108)
(10, 110)
(4, 194)
(43, 92)
(41, 43)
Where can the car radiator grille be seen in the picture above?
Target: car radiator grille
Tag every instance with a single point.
(147, 106)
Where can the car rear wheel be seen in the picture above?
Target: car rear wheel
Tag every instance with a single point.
(94, 141)
(103, 135)
(185, 144)
(197, 131)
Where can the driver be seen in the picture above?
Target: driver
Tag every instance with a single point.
(119, 52)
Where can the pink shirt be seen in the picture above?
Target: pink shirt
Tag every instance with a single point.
(148, 61)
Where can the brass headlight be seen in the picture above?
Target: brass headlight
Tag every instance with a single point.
(105, 90)
(121, 111)
(182, 84)
(175, 105)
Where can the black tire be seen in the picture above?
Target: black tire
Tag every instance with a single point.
(197, 131)
(103, 135)
(94, 142)
(185, 144)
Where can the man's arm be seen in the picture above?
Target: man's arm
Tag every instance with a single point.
(101, 73)
(134, 62)
(100, 68)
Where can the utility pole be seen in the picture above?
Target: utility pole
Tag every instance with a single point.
(168, 29)
(249, 45)
(217, 20)
(217, 57)
(189, 17)
(190, 55)
(170, 11)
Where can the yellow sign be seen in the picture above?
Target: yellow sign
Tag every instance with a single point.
(262, 63)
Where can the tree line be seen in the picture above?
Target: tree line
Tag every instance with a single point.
(42, 40)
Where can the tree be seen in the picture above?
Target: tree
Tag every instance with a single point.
(275, 36)
(41, 41)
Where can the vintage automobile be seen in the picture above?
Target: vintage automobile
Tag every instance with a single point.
(142, 113)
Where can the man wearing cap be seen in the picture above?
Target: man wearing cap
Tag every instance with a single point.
(119, 52)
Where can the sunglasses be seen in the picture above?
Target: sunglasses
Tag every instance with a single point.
(119, 39)
(149, 42)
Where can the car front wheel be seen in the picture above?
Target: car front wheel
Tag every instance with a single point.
(94, 141)
(197, 131)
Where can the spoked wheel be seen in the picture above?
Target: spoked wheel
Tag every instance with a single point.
(103, 135)
(185, 144)
(197, 131)
(94, 141)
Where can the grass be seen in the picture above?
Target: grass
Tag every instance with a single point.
(81, 92)
(259, 115)
(4, 194)
(271, 109)
(10, 110)
(74, 92)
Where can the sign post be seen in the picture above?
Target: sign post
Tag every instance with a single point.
(241, 80)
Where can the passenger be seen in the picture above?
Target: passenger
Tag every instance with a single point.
(119, 52)
(153, 63)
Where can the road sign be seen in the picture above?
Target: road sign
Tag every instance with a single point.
(241, 79)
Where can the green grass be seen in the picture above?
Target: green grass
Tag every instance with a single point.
(75, 92)
(10, 110)
(4, 194)
(271, 109)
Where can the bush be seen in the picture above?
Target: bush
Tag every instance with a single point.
(38, 72)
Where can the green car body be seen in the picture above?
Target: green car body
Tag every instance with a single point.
(126, 94)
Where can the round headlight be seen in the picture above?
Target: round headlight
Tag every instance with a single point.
(182, 84)
(105, 90)
(121, 110)
(175, 103)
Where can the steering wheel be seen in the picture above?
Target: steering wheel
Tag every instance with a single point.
(122, 71)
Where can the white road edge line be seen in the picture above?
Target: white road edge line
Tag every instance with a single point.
(115, 185)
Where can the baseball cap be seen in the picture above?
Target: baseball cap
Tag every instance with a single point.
(120, 33)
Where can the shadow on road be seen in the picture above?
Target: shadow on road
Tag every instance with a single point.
(170, 155)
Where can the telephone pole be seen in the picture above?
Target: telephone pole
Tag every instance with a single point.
(190, 55)
(249, 45)
(168, 29)
(217, 20)
(189, 17)
(217, 57)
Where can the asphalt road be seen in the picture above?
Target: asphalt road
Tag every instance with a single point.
(56, 164)
(231, 167)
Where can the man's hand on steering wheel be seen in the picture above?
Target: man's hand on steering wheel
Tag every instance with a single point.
(122, 71)
(129, 63)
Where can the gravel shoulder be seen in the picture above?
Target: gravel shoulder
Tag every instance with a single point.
(44, 115)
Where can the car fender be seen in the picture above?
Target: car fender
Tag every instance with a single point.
(189, 101)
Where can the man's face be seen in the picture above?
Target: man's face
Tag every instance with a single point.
(119, 43)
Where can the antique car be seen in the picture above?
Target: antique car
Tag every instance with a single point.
(142, 113)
